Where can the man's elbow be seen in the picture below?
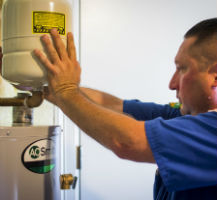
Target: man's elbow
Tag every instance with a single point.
(133, 152)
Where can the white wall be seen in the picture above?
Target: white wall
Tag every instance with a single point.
(128, 49)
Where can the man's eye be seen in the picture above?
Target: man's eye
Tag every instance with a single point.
(182, 68)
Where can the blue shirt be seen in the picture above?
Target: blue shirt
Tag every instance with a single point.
(185, 150)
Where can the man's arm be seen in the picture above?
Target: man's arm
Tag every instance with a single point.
(104, 99)
(120, 133)
(123, 135)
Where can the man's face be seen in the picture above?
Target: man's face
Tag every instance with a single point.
(192, 85)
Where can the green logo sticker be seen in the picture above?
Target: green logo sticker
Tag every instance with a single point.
(38, 157)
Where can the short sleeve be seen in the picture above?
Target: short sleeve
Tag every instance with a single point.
(185, 150)
(147, 111)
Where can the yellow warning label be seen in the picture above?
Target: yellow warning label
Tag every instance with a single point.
(43, 22)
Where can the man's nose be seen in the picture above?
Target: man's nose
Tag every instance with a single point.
(173, 85)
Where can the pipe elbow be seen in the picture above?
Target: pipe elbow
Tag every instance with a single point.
(35, 100)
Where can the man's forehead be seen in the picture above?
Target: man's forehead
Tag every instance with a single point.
(183, 51)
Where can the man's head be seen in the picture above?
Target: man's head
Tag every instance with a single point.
(195, 79)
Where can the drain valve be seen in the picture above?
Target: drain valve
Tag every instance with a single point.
(67, 180)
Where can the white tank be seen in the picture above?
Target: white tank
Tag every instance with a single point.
(23, 22)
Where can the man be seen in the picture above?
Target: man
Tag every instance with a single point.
(183, 142)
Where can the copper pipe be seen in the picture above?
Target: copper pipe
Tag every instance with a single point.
(12, 101)
(29, 101)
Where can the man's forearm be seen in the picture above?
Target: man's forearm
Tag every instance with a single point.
(103, 99)
(118, 132)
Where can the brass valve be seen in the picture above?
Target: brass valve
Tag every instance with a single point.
(67, 180)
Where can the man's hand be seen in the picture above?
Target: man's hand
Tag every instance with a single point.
(63, 70)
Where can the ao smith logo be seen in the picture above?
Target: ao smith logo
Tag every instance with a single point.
(35, 152)
(39, 157)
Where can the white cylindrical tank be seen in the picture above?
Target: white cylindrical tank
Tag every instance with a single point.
(23, 22)
(30, 164)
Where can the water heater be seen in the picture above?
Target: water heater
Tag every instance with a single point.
(30, 164)
(23, 22)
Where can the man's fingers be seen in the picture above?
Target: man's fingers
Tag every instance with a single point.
(71, 47)
(59, 45)
(44, 60)
(54, 57)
